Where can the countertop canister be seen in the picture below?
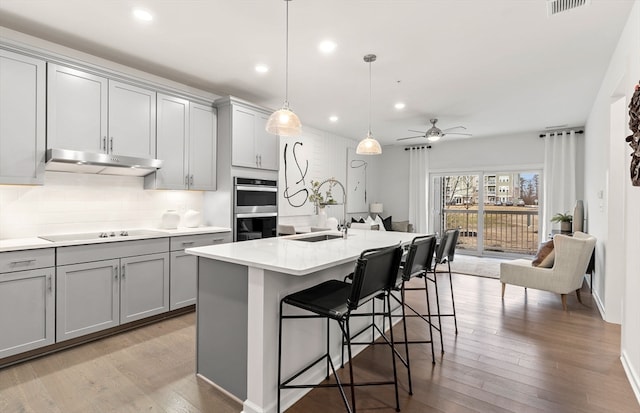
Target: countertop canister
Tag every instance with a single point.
(170, 219)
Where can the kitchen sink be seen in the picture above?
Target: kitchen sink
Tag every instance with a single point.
(317, 238)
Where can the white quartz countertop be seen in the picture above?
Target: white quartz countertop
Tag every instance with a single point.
(291, 256)
(17, 244)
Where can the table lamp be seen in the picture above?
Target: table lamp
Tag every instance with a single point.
(375, 208)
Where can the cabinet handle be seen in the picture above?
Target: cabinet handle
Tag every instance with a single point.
(257, 161)
(122, 273)
(186, 180)
(185, 243)
(260, 158)
(104, 143)
(49, 286)
(115, 272)
(217, 240)
(111, 145)
(191, 180)
(23, 261)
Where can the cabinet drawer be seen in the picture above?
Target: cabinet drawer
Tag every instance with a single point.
(26, 259)
(110, 250)
(200, 240)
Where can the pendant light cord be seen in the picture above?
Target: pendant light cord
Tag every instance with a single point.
(369, 98)
(286, 69)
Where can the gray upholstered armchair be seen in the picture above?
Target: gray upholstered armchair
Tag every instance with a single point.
(572, 255)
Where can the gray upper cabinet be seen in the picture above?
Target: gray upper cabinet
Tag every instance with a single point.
(202, 147)
(22, 119)
(251, 145)
(87, 112)
(186, 142)
(172, 141)
(132, 120)
(76, 110)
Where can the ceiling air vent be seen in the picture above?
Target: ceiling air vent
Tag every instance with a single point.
(558, 6)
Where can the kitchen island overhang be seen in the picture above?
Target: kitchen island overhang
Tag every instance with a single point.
(239, 289)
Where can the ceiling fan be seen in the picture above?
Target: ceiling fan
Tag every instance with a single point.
(434, 133)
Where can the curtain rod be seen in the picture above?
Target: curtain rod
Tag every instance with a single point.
(579, 132)
(408, 148)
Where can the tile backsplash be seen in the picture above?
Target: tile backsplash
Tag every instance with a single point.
(70, 202)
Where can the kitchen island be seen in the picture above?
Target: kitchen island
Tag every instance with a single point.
(239, 289)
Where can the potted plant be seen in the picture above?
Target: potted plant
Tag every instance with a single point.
(564, 220)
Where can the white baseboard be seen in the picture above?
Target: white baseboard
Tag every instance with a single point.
(632, 375)
(599, 304)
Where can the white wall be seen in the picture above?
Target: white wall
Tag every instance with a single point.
(612, 207)
(69, 203)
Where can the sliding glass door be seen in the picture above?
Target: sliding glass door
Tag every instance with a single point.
(496, 212)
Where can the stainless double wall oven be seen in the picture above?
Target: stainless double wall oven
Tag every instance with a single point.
(255, 208)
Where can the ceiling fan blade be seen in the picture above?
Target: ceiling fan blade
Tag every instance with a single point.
(457, 133)
(410, 137)
(416, 131)
(455, 127)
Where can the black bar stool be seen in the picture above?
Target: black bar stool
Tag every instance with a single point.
(419, 259)
(444, 255)
(375, 273)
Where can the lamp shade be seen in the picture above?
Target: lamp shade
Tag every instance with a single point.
(376, 208)
(369, 146)
(284, 122)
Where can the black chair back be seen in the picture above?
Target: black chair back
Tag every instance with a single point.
(447, 247)
(376, 271)
(451, 249)
(419, 256)
(441, 251)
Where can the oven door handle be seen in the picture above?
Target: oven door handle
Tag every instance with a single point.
(257, 215)
(257, 188)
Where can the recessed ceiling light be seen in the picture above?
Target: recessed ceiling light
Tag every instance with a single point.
(262, 68)
(327, 46)
(142, 15)
(333, 118)
(399, 105)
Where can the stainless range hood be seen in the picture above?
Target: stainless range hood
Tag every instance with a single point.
(64, 160)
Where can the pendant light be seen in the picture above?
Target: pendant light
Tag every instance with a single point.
(284, 122)
(369, 146)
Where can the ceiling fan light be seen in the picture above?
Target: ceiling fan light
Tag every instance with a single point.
(369, 146)
(284, 122)
(434, 137)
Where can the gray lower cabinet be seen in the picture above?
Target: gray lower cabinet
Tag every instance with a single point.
(130, 283)
(88, 298)
(27, 301)
(184, 267)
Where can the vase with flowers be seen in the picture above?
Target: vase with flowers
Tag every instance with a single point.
(321, 199)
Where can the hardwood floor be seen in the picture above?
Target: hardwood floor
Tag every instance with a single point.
(521, 355)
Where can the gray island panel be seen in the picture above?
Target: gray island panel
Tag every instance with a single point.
(222, 325)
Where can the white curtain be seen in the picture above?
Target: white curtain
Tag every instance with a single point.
(559, 176)
(418, 188)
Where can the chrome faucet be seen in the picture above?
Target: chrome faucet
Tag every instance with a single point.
(343, 226)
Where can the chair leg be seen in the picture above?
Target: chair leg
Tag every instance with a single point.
(579, 296)
(453, 301)
(351, 383)
(564, 301)
(279, 355)
(426, 291)
(503, 287)
(393, 354)
(406, 338)
(435, 283)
